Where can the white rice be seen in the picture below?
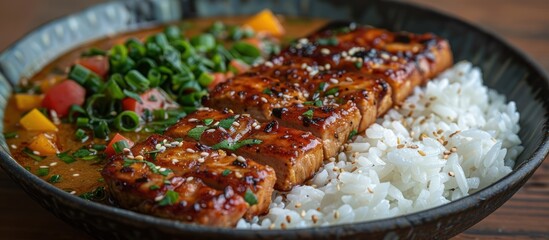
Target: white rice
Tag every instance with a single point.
(399, 166)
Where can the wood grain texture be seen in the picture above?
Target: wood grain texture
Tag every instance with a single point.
(524, 23)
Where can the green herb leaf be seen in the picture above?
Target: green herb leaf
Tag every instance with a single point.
(133, 95)
(97, 194)
(332, 91)
(196, 132)
(226, 172)
(267, 91)
(208, 121)
(227, 123)
(308, 114)
(170, 198)
(65, 157)
(80, 153)
(352, 134)
(225, 144)
(322, 86)
(250, 197)
(358, 65)
(154, 187)
(55, 178)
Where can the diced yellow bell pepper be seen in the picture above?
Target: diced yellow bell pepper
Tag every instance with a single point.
(266, 21)
(36, 121)
(27, 102)
(44, 144)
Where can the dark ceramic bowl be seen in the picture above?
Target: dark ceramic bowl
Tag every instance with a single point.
(505, 69)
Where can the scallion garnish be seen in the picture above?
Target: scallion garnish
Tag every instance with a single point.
(352, 134)
(227, 122)
(120, 145)
(9, 135)
(226, 172)
(225, 144)
(196, 132)
(250, 197)
(126, 121)
(31, 154)
(308, 114)
(332, 91)
(170, 198)
(42, 172)
(55, 178)
(80, 135)
(65, 157)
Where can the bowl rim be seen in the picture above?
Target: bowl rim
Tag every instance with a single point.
(520, 172)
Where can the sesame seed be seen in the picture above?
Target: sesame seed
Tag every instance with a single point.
(325, 51)
(189, 179)
(453, 149)
(158, 198)
(336, 214)
(268, 64)
(400, 146)
(236, 124)
(331, 159)
(241, 159)
(200, 160)
(422, 153)
(334, 81)
(43, 167)
(370, 190)
(288, 219)
(139, 157)
(298, 205)
(73, 192)
(156, 167)
(189, 150)
(348, 79)
(394, 58)
(210, 130)
(76, 175)
(53, 164)
(13, 146)
(257, 127)
(385, 56)
(193, 120)
(204, 154)
(36, 152)
(327, 66)
(158, 146)
(238, 174)
(263, 99)
(174, 161)
(272, 226)
(303, 66)
(303, 213)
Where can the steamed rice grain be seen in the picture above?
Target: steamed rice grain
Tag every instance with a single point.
(448, 140)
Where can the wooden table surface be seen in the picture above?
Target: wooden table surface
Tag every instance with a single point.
(525, 23)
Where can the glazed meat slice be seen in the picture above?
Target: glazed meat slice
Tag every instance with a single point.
(294, 155)
(332, 123)
(254, 94)
(189, 181)
(404, 60)
(209, 126)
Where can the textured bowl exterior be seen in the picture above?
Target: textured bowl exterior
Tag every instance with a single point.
(505, 69)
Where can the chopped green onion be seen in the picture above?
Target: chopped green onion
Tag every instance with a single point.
(172, 33)
(225, 144)
(246, 49)
(155, 78)
(133, 95)
(203, 42)
(154, 187)
(80, 135)
(136, 81)
(112, 89)
(99, 147)
(65, 157)
(308, 114)
(9, 135)
(358, 64)
(332, 41)
(101, 129)
(159, 114)
(205, 79)
(93, 52)
(97, 194)
(120, 145)
(81, 153)
(250, 197)
(82, 122)
(267, 91)
(226, 172)
(31, 154)
(126, 121)
(170, 198)
(79, 74)
(75, 109)
(43, 172)
(55, 178)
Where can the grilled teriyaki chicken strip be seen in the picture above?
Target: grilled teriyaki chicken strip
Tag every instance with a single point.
(189, 181)
(294, 155)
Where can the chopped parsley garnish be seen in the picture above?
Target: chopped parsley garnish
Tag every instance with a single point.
(332, 91)
(35, 157)
(170, 198)
(154, 187)
(65, 157)
(208, 121)
(316, 103)
(352, 134)
(234, 146)
(226, 172)
(267, 91)
(308, 114)
(227, 123)
(250, 197)
(196, 132)
(55, 178)
(331, 41)
(43, 172)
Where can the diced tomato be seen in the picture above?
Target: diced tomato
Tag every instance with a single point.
(239, 65)
(63, 95)
(109, 151)
(97, 64)
(152, 99)
(218, 78)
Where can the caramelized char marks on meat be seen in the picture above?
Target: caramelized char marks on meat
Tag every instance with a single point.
(294, 155)
(254, 94)
(205, 186)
